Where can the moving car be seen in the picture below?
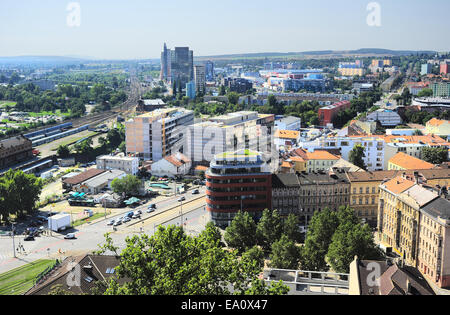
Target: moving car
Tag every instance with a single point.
(195, 192)
(70, 236)
(152, 206)
(150, 210)
(111, 222)
(117, 222)
(181, 199)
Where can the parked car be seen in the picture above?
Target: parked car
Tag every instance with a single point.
(70, 236)
(126, 219)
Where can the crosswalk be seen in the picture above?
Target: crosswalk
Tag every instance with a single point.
(6, 255)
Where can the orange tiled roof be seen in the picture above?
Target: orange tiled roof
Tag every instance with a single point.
(287, 134)
(201, 168)
(177, 160)
(436, 122)
(321, 155)
(409, 162)
(399, 185)
(297, 159)
(286, 165)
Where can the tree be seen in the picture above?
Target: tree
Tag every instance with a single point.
(63, 151)
(285, 254)
(269, 229)
(318, 239)
(19, 193)
(233, 98)
(357, 156)
(348, 241)
(425, 93)
(435, 155)
(291, 228)
(241, 232)
(173, 263)
(129, 185)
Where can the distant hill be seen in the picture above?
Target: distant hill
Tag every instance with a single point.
(42, 60)
(362, 51)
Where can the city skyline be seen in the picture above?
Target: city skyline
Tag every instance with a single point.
(115, 30)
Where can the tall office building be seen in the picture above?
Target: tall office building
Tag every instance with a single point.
(209, 71)
(200, 78)
(177, 65)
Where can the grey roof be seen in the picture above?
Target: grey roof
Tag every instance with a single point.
(288, 120)
(285, 181)
(439, 207)
(104, 178)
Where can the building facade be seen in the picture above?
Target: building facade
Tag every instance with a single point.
(129, 165)
(239, 181)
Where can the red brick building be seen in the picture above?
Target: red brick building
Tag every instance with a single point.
(328, 113)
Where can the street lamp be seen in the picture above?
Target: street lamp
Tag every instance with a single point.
(14, 246)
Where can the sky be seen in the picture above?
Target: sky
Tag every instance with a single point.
(137, 29)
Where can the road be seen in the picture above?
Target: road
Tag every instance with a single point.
(89, 236)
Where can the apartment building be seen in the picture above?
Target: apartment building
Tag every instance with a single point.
(237, 181)
(403, 161)
(438, 127)
(286, 192)
(386, 118)
(373, 149)
(129, 165)
(414, 221)
(157, 134)
(320, 160)
(200, 78)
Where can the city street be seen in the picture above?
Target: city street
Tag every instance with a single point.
(191, 211)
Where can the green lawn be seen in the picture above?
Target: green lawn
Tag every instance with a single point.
(93, 218)
(7, 103)
(20, 280)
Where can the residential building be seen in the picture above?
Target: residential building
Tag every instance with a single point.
(320, 190)
(438, 127)
(373, 149)
(414, 222)
(286, 192)
(351, 69)
(320, 160)
(444, 68)
(129, 165)
(172, 166)
(286, 139)
(157, 134)
(288, 123)
(441, 89)
(426, 69)
(239, 181)
(403, 161)
(15, 150)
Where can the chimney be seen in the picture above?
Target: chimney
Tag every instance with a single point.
(416, 177)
